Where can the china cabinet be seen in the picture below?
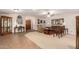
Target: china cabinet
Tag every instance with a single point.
(5, 25)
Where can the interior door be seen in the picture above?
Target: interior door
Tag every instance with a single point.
(0, 25)
(28, 25)
(77, 32)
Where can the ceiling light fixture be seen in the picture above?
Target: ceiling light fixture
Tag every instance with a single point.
(48, 13)
(16, 10)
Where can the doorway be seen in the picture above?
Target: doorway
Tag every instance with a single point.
(28, 25)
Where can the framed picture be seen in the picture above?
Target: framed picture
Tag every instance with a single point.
(40, 21)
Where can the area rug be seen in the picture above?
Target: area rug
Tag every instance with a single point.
(49, 42)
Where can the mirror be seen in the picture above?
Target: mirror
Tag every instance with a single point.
(19, 20)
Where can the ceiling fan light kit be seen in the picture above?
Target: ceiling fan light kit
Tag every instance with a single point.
(17, 10)
(48, 13)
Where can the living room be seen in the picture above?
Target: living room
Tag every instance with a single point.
(38, 32)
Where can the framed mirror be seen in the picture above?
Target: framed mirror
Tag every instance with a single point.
(19, 19)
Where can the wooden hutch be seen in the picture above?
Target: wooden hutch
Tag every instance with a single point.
(5, 25)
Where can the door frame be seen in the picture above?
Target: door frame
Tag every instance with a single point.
(77, 40)
(30, 24)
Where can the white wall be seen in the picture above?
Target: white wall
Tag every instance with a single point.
(48, 22)
(70, 21)
(14, 18)
(33, 22)
(25, 17)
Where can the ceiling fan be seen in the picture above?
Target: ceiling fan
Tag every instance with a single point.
(17, 10)
(48, 13)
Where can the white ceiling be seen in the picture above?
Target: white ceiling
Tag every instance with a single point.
(38, 12)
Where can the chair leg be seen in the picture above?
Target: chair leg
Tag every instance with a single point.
(59, 36)
(53, 35)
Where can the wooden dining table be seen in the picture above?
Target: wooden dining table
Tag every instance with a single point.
(49, 30)
(57, 30)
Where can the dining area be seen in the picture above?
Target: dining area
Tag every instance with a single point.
(58, 31)
(58, 28)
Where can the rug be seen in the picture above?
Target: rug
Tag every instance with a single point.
(49, 42)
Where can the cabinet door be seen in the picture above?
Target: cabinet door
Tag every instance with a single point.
(10, 25)
(5, 25)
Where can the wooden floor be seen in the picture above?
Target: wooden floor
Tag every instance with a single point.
(16, 41)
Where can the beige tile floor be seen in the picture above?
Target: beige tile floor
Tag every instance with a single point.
(50, 42)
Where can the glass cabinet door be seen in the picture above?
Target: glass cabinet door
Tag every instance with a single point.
(8, 25)
(11, 24)
(2, 24)
(5, 25)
